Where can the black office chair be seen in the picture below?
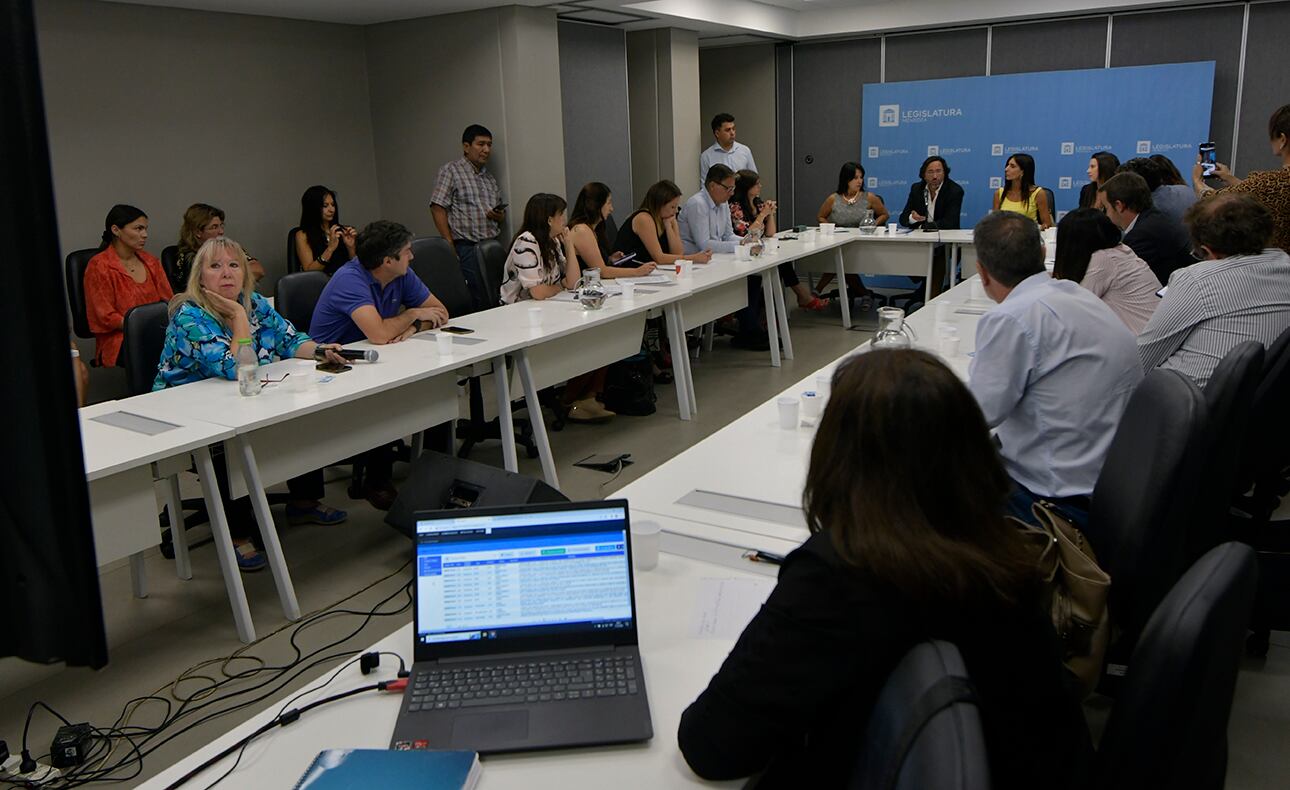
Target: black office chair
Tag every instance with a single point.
(143, 334)
(435, 263)
(170, 264)
(74, 267)
(611, 231)
(1168, 727)
(1229, 398)
(296, 295)
(1143, 500)
(1052, 203)
(492, 264)
(293, 260)
(925, 729)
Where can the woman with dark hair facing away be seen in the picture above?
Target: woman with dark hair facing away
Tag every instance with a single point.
(1101, 166)
(652, 231)
(543, 263)
(323, 244)
(120, 277)
(1169, 174)
(1019, 193)
(1269, 187)
(845, 207)
(202, 222)
(750, 214)
(1091, 253)
(587, 228)
(893, 559)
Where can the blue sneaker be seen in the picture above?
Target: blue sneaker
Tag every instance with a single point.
(318, 514)
(249, 558)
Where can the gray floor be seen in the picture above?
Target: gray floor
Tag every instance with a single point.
(185, 628)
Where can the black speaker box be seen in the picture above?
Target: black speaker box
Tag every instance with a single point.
(444, 482)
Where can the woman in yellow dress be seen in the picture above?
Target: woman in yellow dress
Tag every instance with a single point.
(1020, 194)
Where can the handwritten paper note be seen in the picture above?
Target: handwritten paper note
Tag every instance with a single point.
(725, 606)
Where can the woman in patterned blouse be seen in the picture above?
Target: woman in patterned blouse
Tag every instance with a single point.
(218, 308)
(1269, 187)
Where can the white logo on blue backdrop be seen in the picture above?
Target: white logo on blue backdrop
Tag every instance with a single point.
(873, 152)
(955, 117)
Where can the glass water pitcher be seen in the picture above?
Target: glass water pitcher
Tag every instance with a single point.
(892, 330)
(590, 290)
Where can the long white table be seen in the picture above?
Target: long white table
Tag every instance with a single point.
(677, 664)
(907, 252)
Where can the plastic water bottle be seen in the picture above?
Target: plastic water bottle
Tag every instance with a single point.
(248, 369)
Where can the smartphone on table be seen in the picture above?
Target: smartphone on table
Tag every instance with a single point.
(456, 330)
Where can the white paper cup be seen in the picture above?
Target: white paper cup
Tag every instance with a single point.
(771, 245)
(645, 539)
(682, 268)
(978, 289)
(944, 312)
(443, 342)
(892, 227)
(788, 410)
(826, 228)
(824, 384)
(301, 378)
(535, 317)
(743, 252)
(629, 289)
(812, 405)
(880, 231)
(950, 345)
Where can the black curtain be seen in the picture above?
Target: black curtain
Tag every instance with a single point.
(48, 574)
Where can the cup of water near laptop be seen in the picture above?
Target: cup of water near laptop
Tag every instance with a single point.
(645, 539)
(628, 290)
(789, 408)
(535, 318)
(443, 343)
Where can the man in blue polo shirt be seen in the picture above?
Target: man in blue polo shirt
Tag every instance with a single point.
(377, 297)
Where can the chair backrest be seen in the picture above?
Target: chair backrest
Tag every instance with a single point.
(1145, 492)
(925, 728)
(492, 264)
(1269, 423)
(1052, 202)
(143, 335)
(1229, 398)
(293, 260)
(169, 261)
(1168, 727)
(435, 262)
(74, 267)
(611, 232)
(296, 295)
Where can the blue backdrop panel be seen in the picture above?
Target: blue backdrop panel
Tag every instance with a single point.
(1061, 118)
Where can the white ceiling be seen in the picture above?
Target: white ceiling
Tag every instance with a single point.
(787, 19)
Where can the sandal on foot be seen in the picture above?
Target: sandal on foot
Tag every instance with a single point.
(816, 304)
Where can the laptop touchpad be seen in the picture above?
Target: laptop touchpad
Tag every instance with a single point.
(474, 728)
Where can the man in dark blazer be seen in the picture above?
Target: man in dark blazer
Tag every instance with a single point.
(934, 187)
(1153, 235)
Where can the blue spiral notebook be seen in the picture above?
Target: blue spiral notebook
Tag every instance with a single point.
(350, 769)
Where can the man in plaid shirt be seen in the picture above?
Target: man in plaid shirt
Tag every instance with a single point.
(467, 207)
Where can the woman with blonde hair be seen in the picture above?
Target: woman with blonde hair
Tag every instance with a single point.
(216, 313)
(202, 222)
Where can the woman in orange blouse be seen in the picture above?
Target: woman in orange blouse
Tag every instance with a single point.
(120, 277)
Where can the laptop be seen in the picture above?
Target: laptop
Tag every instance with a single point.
(525, 631)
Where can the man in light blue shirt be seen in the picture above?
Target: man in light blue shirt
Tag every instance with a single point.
(725, 151)
(705, 225)
(1053, 371)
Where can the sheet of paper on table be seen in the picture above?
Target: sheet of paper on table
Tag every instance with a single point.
(725, 606)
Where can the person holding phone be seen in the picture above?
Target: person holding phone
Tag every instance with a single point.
(1269, 187)
(591, 209)
(219, 308)
(121, 276)
(323, 244)
(467, 207)
(749, 214)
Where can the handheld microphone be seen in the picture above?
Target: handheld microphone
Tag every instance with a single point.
(351, 354)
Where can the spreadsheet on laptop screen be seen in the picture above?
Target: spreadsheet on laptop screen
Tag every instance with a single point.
(502, 576)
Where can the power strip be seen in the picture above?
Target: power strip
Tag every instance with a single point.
(43, 773)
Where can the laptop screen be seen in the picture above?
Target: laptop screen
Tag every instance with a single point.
(508, 576)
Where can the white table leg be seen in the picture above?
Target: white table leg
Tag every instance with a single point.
(535, 416)
(418, 443)
(842, 289)
(680, 358)
(709, 332)
(927, 284)
(956, 251)
(768, 284)
(781, 312)
(178, 535)
(138, 575)
(224, 546)
(505, 420)
(268, 530)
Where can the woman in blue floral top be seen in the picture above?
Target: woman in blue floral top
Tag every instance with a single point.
(206, 321)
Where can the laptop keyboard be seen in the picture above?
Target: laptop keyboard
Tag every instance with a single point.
(447, 688)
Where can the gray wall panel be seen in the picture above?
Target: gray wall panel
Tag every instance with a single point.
(827, 85)
(1184, 37)
(597, 141)
(1064, 44)
(784, 129)
(932, 56)
(1265, 87)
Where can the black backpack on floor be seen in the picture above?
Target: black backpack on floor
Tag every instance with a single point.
(629, 387)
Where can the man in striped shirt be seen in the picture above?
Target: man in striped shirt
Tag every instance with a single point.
(1239, 291)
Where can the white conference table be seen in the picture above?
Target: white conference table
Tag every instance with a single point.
(908, 253)
(121, 467)
(740, 490)
(677, 663)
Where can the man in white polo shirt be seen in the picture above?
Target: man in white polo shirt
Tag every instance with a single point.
(725, 151)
